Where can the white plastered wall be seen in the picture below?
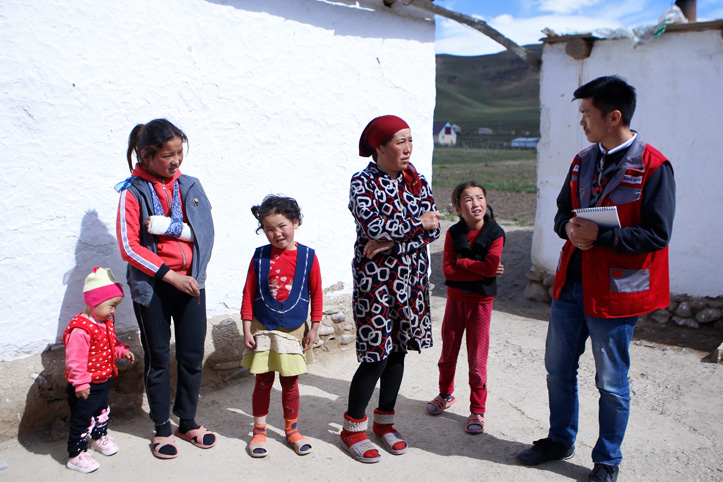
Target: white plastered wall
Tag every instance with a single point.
(272, 94)
(679, 111)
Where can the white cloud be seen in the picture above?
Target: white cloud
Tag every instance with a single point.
(505, 18)
(565, 6)
(580, 16)
(457, 39)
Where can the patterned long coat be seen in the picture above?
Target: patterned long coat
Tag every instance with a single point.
(391, 291)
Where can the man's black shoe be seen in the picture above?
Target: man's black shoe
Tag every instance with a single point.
(604, 473)
(543, 450)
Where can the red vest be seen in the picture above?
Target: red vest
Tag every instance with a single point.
(618, 285)
(101, 356)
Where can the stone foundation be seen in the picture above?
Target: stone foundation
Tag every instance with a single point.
(34, 399)
(684, 310)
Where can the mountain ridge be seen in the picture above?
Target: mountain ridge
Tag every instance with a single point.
(498, 91)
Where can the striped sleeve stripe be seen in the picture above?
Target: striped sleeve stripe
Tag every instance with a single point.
(124, 237)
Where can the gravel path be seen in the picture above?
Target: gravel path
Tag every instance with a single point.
(674, 432)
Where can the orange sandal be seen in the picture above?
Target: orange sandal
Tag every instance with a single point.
(257, 446)
(297, 441)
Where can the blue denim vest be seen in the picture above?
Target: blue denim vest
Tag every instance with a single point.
(294, 310)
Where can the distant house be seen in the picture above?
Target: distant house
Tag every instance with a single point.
(524, 143)
(485, 131)
(444, 134)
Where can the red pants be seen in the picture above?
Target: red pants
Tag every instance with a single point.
(475, 318)
(289, 395)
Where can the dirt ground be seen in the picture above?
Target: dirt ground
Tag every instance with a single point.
(674, 431)
(518, 206)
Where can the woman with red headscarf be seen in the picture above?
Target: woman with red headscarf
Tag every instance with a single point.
(395, 219)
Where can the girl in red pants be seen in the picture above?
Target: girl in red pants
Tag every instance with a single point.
(472, 251)
(283, 282)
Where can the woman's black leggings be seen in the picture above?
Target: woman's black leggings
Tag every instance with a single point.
(389, 371)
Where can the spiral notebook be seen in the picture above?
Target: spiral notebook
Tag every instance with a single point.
(605, 216)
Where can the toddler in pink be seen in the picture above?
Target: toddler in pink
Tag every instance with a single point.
(91, 348)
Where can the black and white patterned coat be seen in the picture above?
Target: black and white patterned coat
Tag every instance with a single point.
(391, 291)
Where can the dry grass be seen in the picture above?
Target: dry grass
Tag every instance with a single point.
(509, 175)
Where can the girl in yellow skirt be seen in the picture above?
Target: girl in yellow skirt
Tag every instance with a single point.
(283, 280)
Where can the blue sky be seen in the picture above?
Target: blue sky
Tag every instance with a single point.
(522, 20)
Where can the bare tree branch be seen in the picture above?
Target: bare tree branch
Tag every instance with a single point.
(479, 25)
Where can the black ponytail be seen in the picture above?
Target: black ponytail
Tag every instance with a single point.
(150, 138)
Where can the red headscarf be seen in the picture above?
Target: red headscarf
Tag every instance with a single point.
(379, 130)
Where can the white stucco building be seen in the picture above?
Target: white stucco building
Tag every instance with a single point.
(272, 94)
(444, 134)
(679, 111)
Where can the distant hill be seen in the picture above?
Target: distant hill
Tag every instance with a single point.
(498, 91)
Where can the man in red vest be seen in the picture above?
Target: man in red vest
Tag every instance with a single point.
(606, 276)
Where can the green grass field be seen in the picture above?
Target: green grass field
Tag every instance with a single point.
(509, 170)
(498, 91)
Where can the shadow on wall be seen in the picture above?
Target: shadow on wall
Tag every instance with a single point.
(46, 408)
(95, 247)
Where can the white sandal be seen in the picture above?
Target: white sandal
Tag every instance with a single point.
(391, 438)
(358, 450)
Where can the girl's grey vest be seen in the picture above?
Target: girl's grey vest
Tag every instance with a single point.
(198, 214)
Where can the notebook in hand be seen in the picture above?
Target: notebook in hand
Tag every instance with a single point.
(605, 216)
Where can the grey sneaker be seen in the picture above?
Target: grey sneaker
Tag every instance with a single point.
(543, 450)
(604, 473)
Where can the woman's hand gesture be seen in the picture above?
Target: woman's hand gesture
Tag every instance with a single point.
(430, 220)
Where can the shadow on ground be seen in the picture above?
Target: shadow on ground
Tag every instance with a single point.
(326, 399)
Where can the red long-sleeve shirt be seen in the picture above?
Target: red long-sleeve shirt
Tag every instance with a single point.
(174, 253)
(465, 269)
(283, 267)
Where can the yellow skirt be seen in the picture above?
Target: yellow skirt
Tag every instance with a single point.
(277, 350)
